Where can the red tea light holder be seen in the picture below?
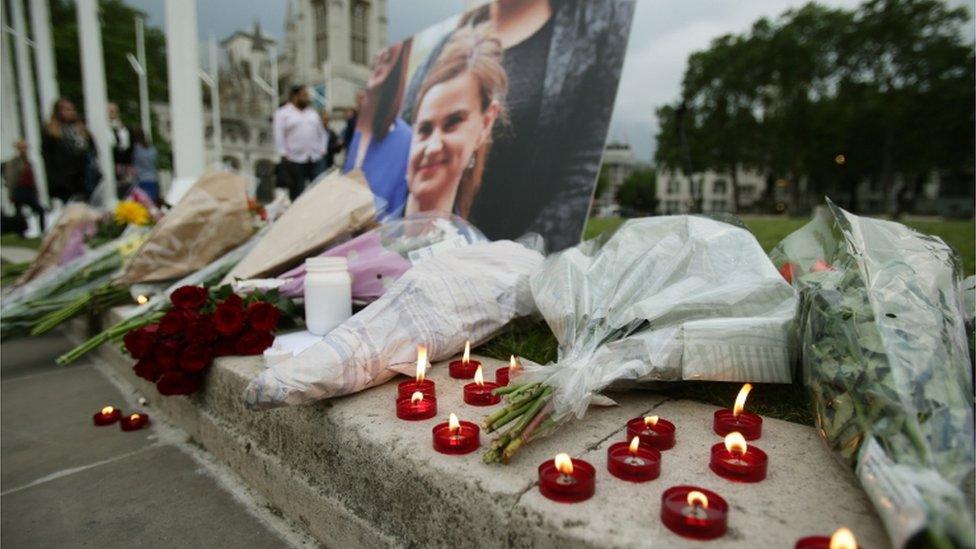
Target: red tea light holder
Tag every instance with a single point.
(567, 480)
(481, 392)
(653, 432)
(843, 538)
(633, 462)
(694, 512)
(416, 408)
(464, 368)
(737, 419)
(456, 437)
(504, 375)
(106, 416)
(134, 421)
(406, 389)
(735, 460)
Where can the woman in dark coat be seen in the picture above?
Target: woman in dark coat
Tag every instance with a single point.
(66, 147)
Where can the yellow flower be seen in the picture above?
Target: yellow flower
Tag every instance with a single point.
(130, 212)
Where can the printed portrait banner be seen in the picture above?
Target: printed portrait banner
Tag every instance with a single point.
(498, 115)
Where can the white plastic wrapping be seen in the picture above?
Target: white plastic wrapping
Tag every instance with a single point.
(663, 299)
(467, 293)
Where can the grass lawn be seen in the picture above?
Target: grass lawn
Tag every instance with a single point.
(789, 402)
(16, 241)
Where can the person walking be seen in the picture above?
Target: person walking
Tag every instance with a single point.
(300, 139)
(121, 149)
(144, 163)
(334, 145)
(352, 118)
(67, 148)
(18, 175)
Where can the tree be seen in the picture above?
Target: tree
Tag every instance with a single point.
(639, 191)
(118, 38)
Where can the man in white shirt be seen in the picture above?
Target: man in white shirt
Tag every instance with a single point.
(300, 140)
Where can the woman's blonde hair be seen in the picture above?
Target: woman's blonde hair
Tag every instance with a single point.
(471, 49)
(54, 124)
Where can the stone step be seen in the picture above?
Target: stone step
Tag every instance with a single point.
(356, 476)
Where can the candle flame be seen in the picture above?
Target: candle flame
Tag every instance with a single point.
(634, 444)
(564, 464)
(843, 539)
(467, 352)
(740, 401)
(479, 377)
(134, 417)
(421, 362)
(108, 410)
(650, 421)
(453, 424)
(416, 397)
(142, 300)
(697, 499)
(513, 365)
(735, 443)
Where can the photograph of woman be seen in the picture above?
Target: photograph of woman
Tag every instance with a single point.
(457, 107)
(381, 142)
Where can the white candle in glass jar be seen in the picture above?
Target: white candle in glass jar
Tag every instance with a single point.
(328, 293)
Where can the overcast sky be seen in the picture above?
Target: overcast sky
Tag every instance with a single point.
(664, 33)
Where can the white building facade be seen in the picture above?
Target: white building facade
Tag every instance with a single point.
(618, 164)
(329, 46)
(675, 191)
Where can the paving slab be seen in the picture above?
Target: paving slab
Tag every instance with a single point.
(358, 477)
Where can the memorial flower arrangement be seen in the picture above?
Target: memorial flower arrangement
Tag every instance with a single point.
(175, 351)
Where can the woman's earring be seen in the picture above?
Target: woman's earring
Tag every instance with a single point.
(471, 162)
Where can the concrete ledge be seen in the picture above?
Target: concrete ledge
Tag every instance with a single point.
(356, 476)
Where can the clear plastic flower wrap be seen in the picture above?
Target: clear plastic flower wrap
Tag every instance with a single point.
(662, 299)
(376, 259)
(886, 360)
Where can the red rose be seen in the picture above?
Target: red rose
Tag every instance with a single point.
(147, 369)
(788, 270)
(201, 330)
(140, 342)
(167, 354)
(172, 322)
(253, 343)
(177, 383)
(228, 318)
(189, 297)
(263, 316)
(194, 359)
(224, 346)
(234, 299)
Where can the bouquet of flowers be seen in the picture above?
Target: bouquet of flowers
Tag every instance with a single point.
(886, 360)
(662, 299)
(176, 352)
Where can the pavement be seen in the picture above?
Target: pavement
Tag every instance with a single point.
(66, 483)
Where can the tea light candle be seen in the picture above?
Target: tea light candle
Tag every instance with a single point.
(567, 480)
(426, 386)
(734, 460)
(134, 421)
(107, 416)
(653, 431)
(456, 437)
(841, 539)
(633, 462)
(480, 392)
(736, 419)
(503, 375)
(464, 368)
(694, 512)
(417, 407)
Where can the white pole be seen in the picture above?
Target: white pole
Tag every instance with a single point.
(47, 79)
(185, 104)
(10, 121)
(28, 109)
(218, 137)
(96, 98)
(143, 80)
(274, 78)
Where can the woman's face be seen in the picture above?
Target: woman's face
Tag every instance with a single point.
(383, 64)
(449, 127)
(67, 112)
